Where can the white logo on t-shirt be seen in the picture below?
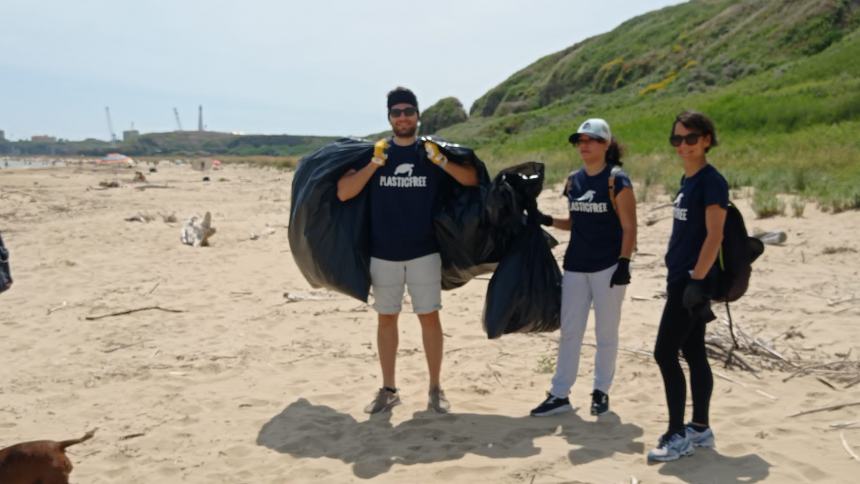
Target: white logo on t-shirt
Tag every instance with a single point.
(585, 203)
(404, 169)
(678, 212)
(587, 197)
(403, 178)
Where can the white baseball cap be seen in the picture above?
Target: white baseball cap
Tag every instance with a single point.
(594, 128)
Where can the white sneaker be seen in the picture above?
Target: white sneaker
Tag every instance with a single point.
(670, 449)
(701, 439)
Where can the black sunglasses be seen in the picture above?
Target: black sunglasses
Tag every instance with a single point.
(396, 112)
(690, 139)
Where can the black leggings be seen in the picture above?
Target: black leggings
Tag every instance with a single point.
(679, 332)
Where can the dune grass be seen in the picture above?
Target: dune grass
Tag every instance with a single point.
(792, 129)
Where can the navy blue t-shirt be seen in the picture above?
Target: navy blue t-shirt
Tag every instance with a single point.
(707, 187)
(595, 230)
(402, 196)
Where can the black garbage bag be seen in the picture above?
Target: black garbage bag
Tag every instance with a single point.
(330, 239)
(465, 240)
(512, 194)
(524, 294)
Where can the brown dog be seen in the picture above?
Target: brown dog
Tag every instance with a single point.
(39, 462)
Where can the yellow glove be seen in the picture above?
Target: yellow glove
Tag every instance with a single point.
(380, 152)
(433, 153)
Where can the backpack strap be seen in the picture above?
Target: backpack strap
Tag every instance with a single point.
(612, 174)
(567, 184)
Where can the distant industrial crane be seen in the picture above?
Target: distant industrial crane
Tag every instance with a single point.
(110, 125)
(178, 122)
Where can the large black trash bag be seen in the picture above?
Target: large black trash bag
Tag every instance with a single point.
(513, 192)
(463, 236)
(330, 239)
(524, 294)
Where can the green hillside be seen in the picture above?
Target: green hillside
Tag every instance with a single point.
(780, 79)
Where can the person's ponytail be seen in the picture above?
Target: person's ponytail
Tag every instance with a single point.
(614, 153)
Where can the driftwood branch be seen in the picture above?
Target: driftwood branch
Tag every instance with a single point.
(121, 347)
(848, 447)
(825, 409)
(129, 311)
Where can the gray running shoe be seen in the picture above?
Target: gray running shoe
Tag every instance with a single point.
(672, 448)
(385, 400)
(437, 402)
(701, 439)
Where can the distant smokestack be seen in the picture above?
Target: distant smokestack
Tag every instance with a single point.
(200, 118)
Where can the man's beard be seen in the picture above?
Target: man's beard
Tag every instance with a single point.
(406, 132)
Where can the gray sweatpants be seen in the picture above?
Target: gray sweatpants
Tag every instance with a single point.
(579, 290)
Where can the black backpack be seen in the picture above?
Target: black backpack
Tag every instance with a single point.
(734, 263)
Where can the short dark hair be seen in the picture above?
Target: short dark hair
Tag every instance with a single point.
(698, 122)
(401, 94)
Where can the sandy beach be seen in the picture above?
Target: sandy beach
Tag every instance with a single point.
(245, 374)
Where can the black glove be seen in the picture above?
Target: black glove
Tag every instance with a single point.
(534, 216)
(544, 219)
(621, 276)
(697, 301)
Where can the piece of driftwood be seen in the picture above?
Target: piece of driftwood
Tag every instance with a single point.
(848, 447)
(197, 230)
(55, 309)
(845, 425)
(826, 409)
(148, 186)
(153, 288)
(852, 383)
(744, 385)
(122, 347)
(827, 383)
(130, 311)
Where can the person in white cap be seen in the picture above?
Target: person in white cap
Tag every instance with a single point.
(602, 225)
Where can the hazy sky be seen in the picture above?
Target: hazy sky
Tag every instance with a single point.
(267, 66)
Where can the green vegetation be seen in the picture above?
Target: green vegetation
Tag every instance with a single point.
(177, 143)
(766, 204)
(788, 125)
(446, 112)
(798, 205)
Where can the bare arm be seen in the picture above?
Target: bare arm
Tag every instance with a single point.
(561, 223)
(465, 175)
(715, 218)
(353, 182)
(626, 203)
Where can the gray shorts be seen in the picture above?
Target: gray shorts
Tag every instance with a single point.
(421, 276)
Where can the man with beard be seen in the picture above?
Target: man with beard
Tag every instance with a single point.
(403, 182)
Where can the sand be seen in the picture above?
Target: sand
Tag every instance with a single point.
(247, 385)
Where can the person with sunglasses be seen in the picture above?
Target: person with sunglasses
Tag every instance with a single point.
(699, 214)
(602, 225)
(403, 181)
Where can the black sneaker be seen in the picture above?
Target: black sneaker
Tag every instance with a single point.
(551, 406)
(599, 402)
